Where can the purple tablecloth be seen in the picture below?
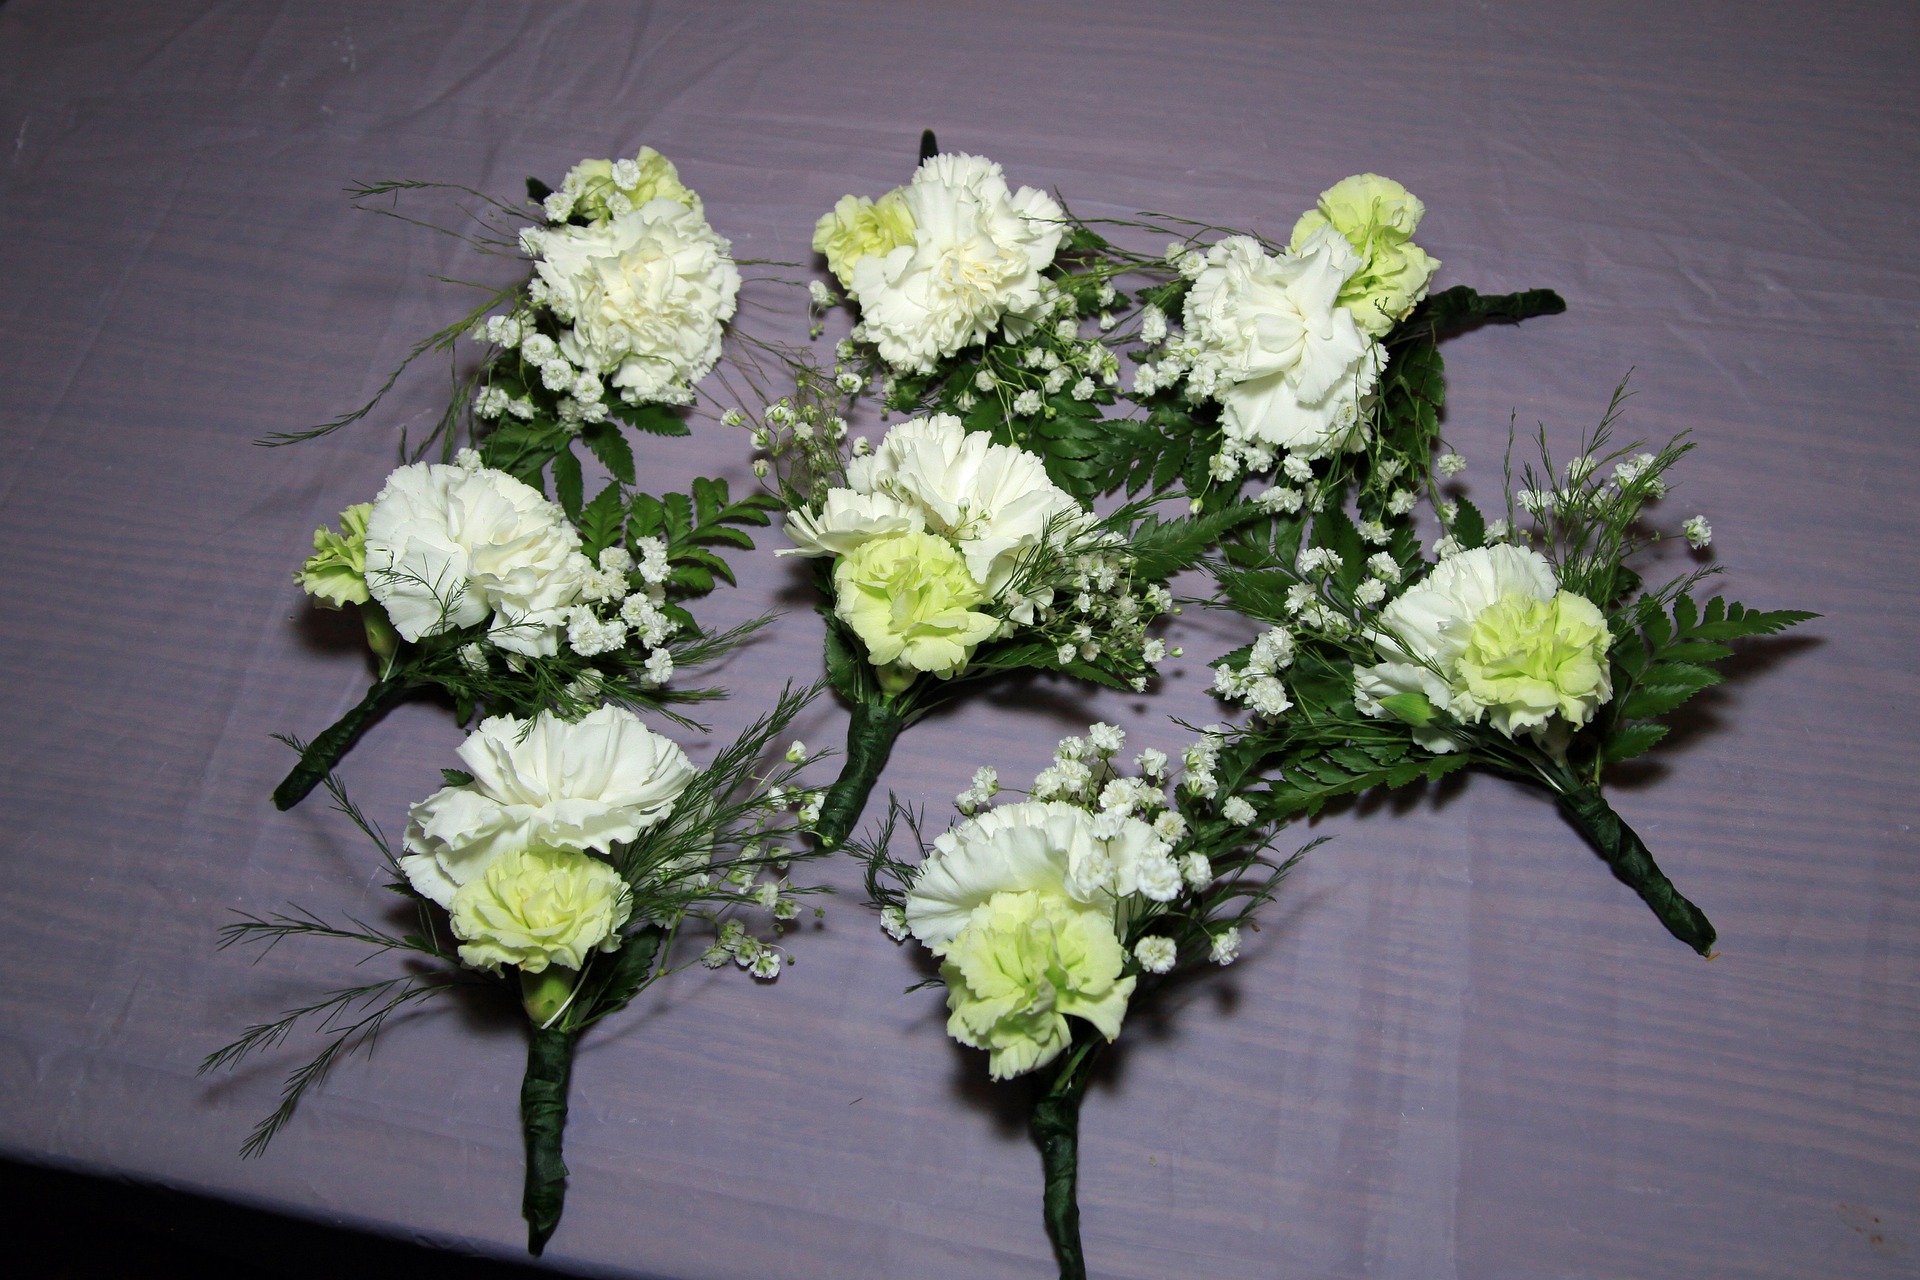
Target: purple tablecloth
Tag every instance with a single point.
(1457, 1047)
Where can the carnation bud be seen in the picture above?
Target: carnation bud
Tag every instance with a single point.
(543, 995)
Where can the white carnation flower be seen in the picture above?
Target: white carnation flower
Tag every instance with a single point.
(646, 294)
(449, 546)
(581, 786)
(1289, 366)
(1489, 635)
(1045, 846)
(994, 501)
(974, 262)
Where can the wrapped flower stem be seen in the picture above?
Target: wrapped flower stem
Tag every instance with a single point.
(1055, 1125)
(317, 758)
(543, 1118)
(1631, 861)
(870, 735)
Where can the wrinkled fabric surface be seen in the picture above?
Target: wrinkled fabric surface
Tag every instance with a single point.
(1456, 1048)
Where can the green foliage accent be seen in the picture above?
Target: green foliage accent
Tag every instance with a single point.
(1632, 741)
(569, 484)
(455, 777)
(690, 523)
(846, 662)
(1070, 443)
(523, 449)
(1663, 648)
(654, 419)
(1085, 240)
(1175, 443)
(1027, 655)
(1163, 548)
(526, 450)
(609, 986)
(1258, 593)
(1334, 531)
(600, 521)
(608, 445)
(1469, 527)
(1412, 394)
(1306, 778)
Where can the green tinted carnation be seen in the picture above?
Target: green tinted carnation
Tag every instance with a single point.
(536, 907)
(1526, 659)
(1023, 965)
(858, 228)
(1378, 217)
(593, 184)
(336, 573)
(910, 599)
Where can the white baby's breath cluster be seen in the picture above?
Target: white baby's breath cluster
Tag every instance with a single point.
(1595, 492)
(1257, 682)
(1102, 610)
(577, 392)
(622, 608)
(743, 888)
(1023, 376)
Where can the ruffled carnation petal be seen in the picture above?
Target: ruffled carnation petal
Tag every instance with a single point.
(449, 546)
(974, 258)
(582, 786)
(646, 293)
(1489, 635)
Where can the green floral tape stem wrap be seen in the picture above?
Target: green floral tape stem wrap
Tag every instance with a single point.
(543, 1117)
(1627, 854)
(870, 736)
(1055, 1125)
(325, 751)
